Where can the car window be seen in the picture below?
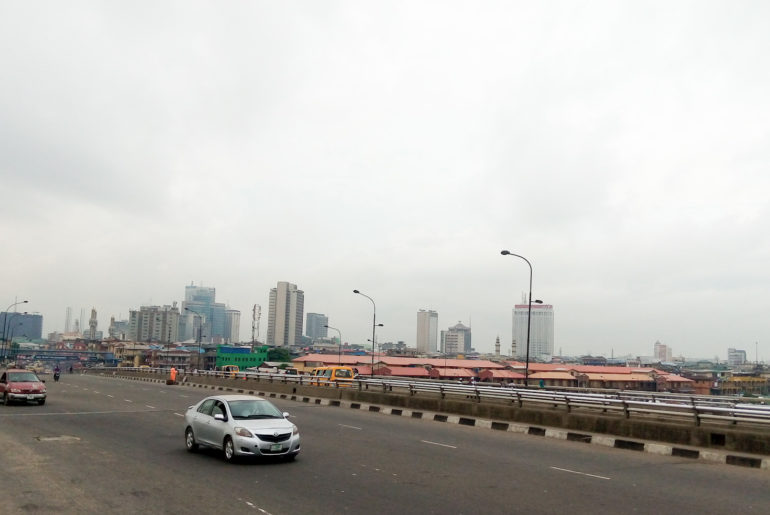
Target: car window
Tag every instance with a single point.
(206, 406)
(328, 372)
(253, 409)
(2, 379)
(344, 373)
(22, 377)
(219, 409)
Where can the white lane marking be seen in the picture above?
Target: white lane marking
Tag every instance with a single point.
(439, 444)
(184, 396)
(127, 400)
(148, 406)
(178, 414)
(95, 391)
(580, 473)
(111, 396)
(351, 427)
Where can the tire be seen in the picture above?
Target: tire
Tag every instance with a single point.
(291, 457)
(41, 402)
(189, 440)
(6, 400)
(228, 448)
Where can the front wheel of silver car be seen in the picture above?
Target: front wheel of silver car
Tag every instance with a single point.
(229, 449)
(189, 440)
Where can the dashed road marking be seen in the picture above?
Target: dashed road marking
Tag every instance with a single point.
(148, 406)
(350, 427)
(439, 444)
(580, 473)
(128, 400)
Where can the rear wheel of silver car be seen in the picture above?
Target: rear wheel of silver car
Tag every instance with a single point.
(229, 449)
(189, 440)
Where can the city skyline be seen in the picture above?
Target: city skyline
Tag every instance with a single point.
(620, 147)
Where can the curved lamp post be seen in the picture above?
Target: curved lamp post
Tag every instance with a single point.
(339, 357)
(5, 319)
(529, 310)
(374, 323)
(200, 332)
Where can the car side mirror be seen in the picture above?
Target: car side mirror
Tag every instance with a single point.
(221, 417)
(285, 414)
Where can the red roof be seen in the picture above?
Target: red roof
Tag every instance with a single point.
(500, 374)
(403, 371)
(451, 372)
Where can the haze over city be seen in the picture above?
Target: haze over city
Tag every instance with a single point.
(395, 148)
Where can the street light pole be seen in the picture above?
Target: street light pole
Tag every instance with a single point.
(374, 323)
(339, 358)
(5, 320)
(200, 332)
(529, 311)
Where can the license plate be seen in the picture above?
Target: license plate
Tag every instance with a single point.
(30, 397)
(275, 447)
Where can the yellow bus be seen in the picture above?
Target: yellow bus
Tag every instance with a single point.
(332, 376)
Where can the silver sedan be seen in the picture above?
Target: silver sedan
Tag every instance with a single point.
(241, 425)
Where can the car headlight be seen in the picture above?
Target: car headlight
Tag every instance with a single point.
(294, 429)
(242, 431)
(15, 390)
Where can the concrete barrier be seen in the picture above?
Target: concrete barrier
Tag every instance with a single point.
(573, 425)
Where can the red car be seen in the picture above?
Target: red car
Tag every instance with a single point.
(21, 385)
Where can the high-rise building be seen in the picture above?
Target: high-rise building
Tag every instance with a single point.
(427, 331)
(201, 309)
(736, 357)
(541, 331)
(315, 326)
(284, 323)
(18, 324)
(662, 352)
(154, 324)
(232, 326)
(456, 340)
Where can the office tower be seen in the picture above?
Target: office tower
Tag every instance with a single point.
(456, 339)
(15, 324)
(232, 326)
(154, 324)
(662, 352)
(541, 333)
(736, 357)
(427, 331)
(200, 307)
(92, 324)
(284, 323)
(314, 326)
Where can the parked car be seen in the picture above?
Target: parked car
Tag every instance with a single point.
(241, 425)
(332, 376)
(22, 385)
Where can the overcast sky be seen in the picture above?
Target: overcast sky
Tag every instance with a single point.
(396, 148)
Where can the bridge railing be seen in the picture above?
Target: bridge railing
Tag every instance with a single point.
(657, 405)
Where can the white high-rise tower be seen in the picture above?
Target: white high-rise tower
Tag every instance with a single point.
(284, 323)
(427, 331)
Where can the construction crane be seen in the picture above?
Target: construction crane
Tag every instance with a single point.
(256, 314)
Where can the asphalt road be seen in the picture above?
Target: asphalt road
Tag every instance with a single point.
(117, 446)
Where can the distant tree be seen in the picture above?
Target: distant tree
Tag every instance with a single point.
(278, 354)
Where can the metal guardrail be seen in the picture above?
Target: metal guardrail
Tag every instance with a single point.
(667, 406)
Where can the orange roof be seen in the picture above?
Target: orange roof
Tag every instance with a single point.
(502, 374)
(552, 375)
(333, 359)
(620, 377)
(403, 371)
(451, 372)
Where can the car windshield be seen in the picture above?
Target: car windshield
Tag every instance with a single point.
(247, 409)
(22, 377)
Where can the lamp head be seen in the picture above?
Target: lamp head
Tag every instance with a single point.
(537, 301)
(504, 252)
(356, 291)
